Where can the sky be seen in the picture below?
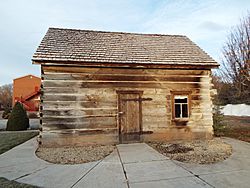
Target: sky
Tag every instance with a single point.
(23, 24)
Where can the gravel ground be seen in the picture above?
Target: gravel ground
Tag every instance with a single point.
(199, 151)
(74, 155)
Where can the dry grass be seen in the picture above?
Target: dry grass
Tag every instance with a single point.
(13, 184)
(236, 127)
(10, 139)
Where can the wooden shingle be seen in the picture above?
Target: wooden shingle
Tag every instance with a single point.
(74, 46)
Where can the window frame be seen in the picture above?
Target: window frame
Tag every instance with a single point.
(180, 93)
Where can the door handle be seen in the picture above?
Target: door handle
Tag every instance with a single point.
(120, 113)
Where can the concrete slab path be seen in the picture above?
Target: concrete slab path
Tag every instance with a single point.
(130, 165)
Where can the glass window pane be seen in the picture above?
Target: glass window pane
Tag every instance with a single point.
(180, 96)
(184, 110)
(180, 100)
(177, 108)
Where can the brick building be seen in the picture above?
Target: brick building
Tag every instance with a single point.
(26, 90)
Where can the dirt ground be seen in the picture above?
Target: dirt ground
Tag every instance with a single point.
(198, 151)
(74, 155)
(202, 152)
(236, 127)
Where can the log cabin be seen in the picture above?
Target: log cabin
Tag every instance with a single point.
(103, 87)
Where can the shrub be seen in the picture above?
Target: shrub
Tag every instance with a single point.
(18, 119)
(6, 114)
(218, 121)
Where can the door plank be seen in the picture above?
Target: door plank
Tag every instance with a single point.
(130, 116)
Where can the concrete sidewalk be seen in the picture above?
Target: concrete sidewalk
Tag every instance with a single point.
(130, 165)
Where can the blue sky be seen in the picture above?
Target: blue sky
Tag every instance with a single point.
(23, 23)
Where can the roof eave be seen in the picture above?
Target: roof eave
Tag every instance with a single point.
(125, 65)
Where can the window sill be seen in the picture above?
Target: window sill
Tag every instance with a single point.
(181, 120)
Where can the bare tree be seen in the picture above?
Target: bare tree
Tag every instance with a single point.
(235, 67)
(6, 96)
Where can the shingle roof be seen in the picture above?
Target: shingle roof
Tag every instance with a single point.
(71, 45)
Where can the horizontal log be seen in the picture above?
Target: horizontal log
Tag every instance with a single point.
(156, 91)
(85, 91)
(98, 77)
(153, 105)
(203, 95)
(125, 76)
(158, 112)
(66, 129)
(122, 85)
(68, 105)
(76, 126)
(154, 119)
(208, 110)
(155, 124)
(202, 107)
(152, 123)
(60, 97)
(80, 82)
(57, 100)
(91, 122)
(77, 112)
(111, 93)
(79, 117)
(196, 97)
(201, 102)
(77, 97)
(83, 109)
(101, 91)
(78, 102)
(103, 70)
(200, 116)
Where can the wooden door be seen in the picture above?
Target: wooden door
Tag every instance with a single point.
(130, 116)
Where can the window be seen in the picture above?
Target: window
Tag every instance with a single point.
(180, 106)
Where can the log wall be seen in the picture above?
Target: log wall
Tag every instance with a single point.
(76, 100)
